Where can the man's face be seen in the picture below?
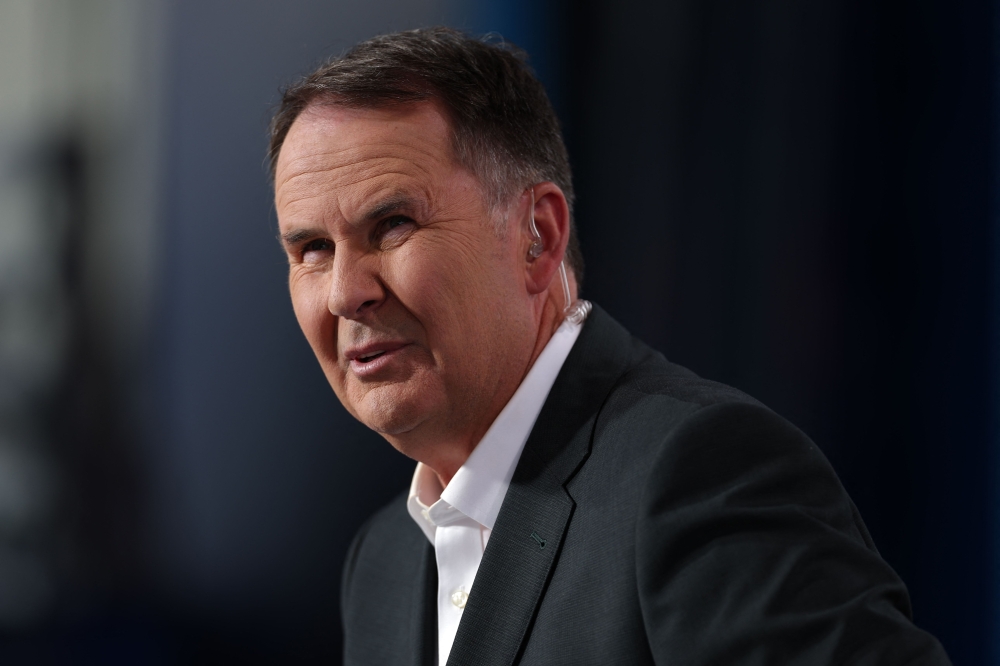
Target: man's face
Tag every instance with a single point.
(415, 307)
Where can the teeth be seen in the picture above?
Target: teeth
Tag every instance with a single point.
(368, 357)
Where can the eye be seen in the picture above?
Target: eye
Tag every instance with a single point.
(393, 230)
(396, 222)
(311, 250)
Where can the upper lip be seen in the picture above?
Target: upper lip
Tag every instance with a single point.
(372, 348)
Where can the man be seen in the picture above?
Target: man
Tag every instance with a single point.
(577, 498)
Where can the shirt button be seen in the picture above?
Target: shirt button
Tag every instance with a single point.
(426, 515)
(459, 597)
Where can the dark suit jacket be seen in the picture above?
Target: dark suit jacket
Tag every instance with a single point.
(678, 522)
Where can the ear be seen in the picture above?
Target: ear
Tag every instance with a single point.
(552, 221)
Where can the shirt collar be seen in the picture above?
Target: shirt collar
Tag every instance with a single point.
(478, 488)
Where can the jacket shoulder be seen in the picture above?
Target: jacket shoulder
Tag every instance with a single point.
(650, 373)
(725, 489)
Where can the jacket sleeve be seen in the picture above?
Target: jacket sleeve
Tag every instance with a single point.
(749, 551)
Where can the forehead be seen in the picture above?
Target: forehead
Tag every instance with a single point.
(330, 145)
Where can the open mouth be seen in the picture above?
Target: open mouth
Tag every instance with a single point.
(375, 359)
(366, 358)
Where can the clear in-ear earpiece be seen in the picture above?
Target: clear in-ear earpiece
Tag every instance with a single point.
(577, 310)
(537, 247)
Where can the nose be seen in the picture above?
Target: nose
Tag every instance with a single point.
(355, 287)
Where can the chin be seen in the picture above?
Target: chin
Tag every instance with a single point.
(390, 414)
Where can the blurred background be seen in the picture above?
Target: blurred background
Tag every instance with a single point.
(799, 199)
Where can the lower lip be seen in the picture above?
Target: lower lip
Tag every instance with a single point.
(376, 364)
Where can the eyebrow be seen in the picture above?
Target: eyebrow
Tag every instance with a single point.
(296, 236)
(391, 204)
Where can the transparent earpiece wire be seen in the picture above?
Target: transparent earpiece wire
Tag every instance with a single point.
(575, 311)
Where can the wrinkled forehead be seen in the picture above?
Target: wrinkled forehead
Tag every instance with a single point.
(327, 135)
(342, 157)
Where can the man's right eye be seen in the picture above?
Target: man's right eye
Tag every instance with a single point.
(314, 246)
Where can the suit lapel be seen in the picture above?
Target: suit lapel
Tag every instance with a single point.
(529, 531)
(423, 615)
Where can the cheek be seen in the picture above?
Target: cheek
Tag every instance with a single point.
(464, 303)
(309, 303)
(441, 281)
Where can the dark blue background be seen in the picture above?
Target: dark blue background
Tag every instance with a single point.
(798, 199)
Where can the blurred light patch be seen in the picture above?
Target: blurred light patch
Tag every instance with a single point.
(77, 174)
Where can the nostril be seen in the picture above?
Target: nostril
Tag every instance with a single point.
(354, 289)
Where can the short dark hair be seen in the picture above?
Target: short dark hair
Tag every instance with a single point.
(504, 129)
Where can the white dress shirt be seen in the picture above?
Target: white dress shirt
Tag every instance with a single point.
(458, 519)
